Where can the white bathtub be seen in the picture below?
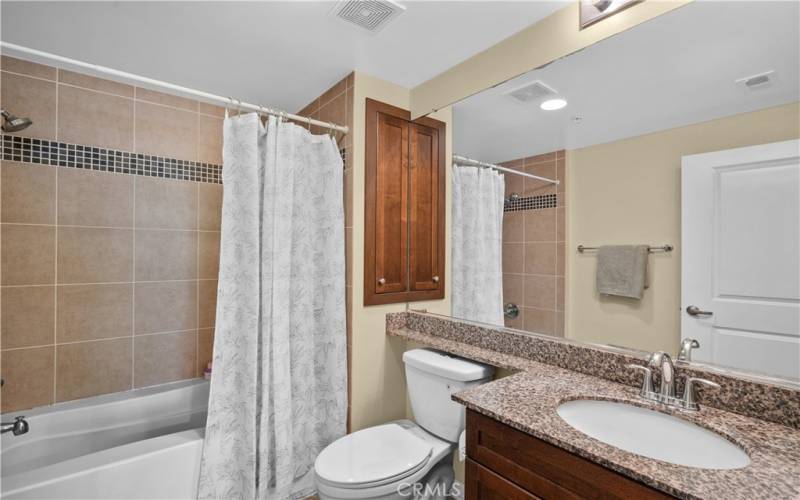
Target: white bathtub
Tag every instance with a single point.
(138, 444)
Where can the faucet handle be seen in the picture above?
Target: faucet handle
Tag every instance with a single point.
(688, 402)
(647, 381)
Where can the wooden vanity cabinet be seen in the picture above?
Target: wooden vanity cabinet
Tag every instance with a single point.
(503, 462)
(404, 206)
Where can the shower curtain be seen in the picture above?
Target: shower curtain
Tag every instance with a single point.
(477, 267)
(279, 383)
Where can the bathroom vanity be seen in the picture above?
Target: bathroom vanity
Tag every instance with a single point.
(505, 462)
(521, 443)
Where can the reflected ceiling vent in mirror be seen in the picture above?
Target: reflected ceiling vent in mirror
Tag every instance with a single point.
(758, 81)
(534, 91)
(371, 15)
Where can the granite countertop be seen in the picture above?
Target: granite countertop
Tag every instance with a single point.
(527, 401)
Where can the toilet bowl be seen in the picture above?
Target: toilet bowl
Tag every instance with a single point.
(384, 461)
(404, 459)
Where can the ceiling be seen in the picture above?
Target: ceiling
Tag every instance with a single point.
(279, 54)
(675, 70)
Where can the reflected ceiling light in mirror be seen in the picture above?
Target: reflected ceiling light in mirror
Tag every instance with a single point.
(553, 104)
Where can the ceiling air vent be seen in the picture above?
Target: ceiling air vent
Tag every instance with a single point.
(371, 15)
(757, 81)
(535, 91)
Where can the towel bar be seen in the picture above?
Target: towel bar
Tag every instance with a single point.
(663, 248)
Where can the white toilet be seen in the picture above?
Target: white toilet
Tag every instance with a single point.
(404, 459)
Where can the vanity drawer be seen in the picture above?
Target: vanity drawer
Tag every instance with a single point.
(543, 469)
(483, 484)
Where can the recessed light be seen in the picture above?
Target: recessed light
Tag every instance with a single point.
(553, 104)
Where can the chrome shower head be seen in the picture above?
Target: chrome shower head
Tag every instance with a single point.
(13, 124)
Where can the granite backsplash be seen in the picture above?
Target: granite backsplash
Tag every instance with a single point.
(739, 393)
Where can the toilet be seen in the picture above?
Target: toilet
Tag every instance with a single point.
(405, 459)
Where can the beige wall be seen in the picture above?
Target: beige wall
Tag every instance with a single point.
(629, 191)
(377, 378)
(553, 37)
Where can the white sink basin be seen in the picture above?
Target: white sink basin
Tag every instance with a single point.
(653, 434)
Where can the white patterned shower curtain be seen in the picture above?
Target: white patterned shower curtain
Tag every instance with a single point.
(279, 383)
(477, 267)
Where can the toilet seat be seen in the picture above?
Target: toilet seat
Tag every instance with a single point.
(372, 457)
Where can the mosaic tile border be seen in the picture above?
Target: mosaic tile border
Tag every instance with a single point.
(61, 154)
(531, 203)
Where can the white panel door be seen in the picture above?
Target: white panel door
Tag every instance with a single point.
(741, 257)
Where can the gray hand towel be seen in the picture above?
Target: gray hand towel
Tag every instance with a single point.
(622, 270)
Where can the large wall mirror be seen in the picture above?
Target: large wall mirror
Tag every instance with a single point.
(660, 206)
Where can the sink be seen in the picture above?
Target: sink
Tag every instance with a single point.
(653, 434)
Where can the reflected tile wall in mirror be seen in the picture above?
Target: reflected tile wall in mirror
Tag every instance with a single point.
(533, 247)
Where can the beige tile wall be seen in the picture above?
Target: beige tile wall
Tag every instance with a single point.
(534, 249)
(107, 281)
(335, 105)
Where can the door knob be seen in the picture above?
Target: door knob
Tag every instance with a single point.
(435, 279)
(695, 311)
(382, 281)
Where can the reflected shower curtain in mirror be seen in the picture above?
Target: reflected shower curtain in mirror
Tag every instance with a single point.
(477, 267)
(279, 384)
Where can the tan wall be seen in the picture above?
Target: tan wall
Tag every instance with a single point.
(377, 378)
(108, 279)
(555, 36)
(629, 191)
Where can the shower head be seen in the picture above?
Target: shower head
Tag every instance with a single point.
(13, 124)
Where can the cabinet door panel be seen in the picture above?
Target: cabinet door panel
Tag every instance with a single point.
(404, 204)
(483, 484)
(424, 205)
(544, 469)
(391, 219)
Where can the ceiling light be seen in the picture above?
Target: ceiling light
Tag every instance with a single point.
(553, 104)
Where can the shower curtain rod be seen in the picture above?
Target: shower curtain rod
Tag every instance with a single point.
(464, 159)
(40, 56)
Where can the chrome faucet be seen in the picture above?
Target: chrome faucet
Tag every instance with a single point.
(687, 344)
(661, 363)
(17, 427)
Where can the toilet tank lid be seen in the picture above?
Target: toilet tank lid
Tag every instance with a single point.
(446, 365)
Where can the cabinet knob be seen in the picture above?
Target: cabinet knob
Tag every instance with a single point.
(382, 281)
(435, 279)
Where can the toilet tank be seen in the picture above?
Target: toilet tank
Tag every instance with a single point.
(432, 376)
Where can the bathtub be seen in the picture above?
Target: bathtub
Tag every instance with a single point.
(144, 443)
